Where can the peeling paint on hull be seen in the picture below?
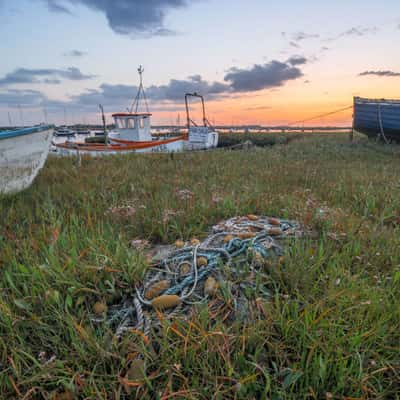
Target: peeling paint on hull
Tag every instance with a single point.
(22, 155)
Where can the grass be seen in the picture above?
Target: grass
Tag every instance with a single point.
(331, 330)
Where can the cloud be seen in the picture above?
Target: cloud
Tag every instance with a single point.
(129, 17)
(299, 36)
(33, 76)
(14, 97)
(176, 89)
(297, 60)
(55, 6)
(358, 31)
(380, 73)
(258, 108)
(294, 44)
(118, 97)
(75, 53)
(258, 77)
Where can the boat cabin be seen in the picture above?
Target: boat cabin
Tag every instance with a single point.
(132, 126)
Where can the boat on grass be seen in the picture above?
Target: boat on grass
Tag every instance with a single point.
(23, 153)
(377, 118)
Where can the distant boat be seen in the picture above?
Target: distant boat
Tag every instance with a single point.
(377, 118)
(64, 131)
(23, 153)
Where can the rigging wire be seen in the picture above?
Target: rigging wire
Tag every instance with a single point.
(321, 115)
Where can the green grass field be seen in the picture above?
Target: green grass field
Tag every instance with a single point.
(330, 331)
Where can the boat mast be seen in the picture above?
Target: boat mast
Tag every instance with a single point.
(136, 102)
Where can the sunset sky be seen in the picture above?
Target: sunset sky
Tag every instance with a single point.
(255, 61)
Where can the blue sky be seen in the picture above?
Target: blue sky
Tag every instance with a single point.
(75, 53)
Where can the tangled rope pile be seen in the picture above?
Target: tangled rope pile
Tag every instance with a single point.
(210, 271)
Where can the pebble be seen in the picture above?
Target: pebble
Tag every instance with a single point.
(195, 242)
(252, 217)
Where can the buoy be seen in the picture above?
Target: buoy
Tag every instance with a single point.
(210, 286)
(274, 221)
(246, 235)
(185, 268)
(228, 238)
(275, 231)
(252, 217)
(99, 308)
(179, 244)
(202, 261)
(166, 301)
(156, 289)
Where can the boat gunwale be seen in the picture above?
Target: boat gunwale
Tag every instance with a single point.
(363, 100)
(124, 146)
(25, 131)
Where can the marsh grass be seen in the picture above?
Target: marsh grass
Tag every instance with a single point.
(330, 329)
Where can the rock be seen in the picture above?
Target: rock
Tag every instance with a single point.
(252, 217)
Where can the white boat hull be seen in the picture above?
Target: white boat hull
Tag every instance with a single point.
(201, 138)
(22, 156)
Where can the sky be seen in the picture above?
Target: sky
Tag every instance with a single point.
(256, 61)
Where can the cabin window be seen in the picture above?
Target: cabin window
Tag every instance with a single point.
(130, 123)
(141, 123)
(120, 123)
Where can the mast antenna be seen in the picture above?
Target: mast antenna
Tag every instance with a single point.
(141, 91)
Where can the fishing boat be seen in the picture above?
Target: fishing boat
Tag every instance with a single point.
(199, 137)
(377, 118)
(23, 153)
(132, 134)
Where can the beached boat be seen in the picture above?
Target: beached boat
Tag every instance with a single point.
(132, 134)
(378, 118)
(23, 153)
(199, 137)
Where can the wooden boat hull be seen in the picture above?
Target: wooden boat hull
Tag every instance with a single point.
(371, 117)
(23, 153)
(121, 147)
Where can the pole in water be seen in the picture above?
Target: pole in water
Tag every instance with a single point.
(45, 114)
(9, 119)
(104, 124)
(21, 115)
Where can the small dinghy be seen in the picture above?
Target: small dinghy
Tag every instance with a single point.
(23, 153)
(377, 118)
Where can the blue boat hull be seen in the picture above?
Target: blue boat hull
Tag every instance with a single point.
(370, 114)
